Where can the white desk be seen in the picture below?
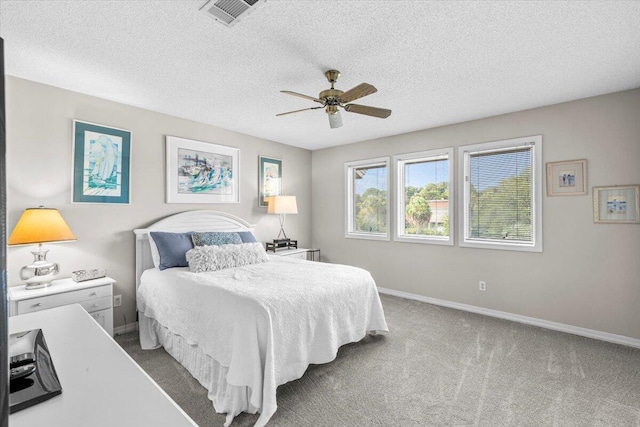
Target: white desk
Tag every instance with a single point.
(101, 385)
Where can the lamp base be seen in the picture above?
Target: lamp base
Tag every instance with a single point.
(41, 272)
(38, 285)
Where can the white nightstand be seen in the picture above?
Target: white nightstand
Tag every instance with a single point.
(95, 296)
(300, 253)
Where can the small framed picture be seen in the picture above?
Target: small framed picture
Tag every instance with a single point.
(616, 205)
(101, 164)
(270, 176)
(200, 172)
(568, 178)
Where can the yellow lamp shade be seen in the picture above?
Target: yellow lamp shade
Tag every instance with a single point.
(40, 225)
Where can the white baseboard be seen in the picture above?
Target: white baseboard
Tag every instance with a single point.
(590, 333)
(125, 328)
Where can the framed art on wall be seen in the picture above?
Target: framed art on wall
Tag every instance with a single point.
(201, 172)
(568, 178)
(101, 163)
(616, 204)
(270, 173)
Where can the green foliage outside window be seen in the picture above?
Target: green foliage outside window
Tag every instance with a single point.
(503, 211)
(371, 211)
(418, 212)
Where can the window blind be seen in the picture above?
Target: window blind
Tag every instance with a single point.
(501, 195)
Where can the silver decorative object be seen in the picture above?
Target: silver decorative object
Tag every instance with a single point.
(82, 275)
(41, 272)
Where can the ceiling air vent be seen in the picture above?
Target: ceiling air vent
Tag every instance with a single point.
(229, 11)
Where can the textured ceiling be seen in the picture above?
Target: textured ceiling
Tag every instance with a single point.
(434, 63)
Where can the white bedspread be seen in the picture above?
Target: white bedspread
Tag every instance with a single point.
(265, 322)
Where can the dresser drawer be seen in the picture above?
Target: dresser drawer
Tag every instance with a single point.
(80, 296)
(96, 304)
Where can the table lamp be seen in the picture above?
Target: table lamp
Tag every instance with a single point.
(282, 205)
(40, 225)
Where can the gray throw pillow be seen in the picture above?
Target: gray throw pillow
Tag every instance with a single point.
(247, 237)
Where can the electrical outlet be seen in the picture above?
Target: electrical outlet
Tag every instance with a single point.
(482, 285)
(117, 300)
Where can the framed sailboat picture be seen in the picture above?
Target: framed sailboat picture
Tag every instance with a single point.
(101, 164)
(200, 172)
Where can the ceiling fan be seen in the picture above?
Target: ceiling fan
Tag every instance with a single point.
(332, 98)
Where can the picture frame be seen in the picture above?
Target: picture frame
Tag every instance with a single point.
(616, 204)
(201, 172)
(101, 164)
(567, 178)
(270, 179)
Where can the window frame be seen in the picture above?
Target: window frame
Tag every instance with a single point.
(350, 232)
(399, 162)
(535, 142)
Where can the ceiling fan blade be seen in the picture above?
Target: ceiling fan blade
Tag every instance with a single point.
(363, 89)
(297, 111)
(335, 120)
(382, 113)
(302, 96)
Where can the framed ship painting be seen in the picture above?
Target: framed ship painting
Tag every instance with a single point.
(101, 164)
(200, 172)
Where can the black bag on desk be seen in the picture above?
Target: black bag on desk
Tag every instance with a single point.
(33, 378)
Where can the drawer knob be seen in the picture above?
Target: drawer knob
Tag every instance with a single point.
(94, 305)
(38, 304)
(93, 294)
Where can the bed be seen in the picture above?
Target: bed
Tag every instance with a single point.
(243, 331)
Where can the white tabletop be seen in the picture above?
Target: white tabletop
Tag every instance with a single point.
(101, 384)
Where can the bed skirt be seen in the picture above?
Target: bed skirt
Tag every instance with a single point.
(227, 399)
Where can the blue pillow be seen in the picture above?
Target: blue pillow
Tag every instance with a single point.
(215, 238)
(247, 237)
(172, 248)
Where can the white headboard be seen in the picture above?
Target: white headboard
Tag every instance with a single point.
(201, 220)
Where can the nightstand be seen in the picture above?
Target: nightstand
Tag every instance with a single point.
(299, 253)
(95, 296)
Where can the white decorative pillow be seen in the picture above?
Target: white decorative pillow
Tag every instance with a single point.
(212, 258)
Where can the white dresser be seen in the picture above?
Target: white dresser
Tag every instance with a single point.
(95, 296)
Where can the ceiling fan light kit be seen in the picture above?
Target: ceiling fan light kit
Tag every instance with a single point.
(333, 98)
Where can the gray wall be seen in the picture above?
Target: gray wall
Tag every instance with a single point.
(588, 274)
(39, 128)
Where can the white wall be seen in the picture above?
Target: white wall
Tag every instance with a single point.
(588, 274)
(39, 152)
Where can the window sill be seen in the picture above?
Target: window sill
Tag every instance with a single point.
(424, 240)
(522, 247)
(367, 236)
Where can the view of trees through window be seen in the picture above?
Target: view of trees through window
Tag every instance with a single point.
(426, 197)
(500, 196)
(370, 192)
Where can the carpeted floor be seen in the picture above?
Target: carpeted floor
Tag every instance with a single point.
(440, 367)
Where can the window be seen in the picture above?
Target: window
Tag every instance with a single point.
(367, 195)
(425, 197)
(501, 193)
